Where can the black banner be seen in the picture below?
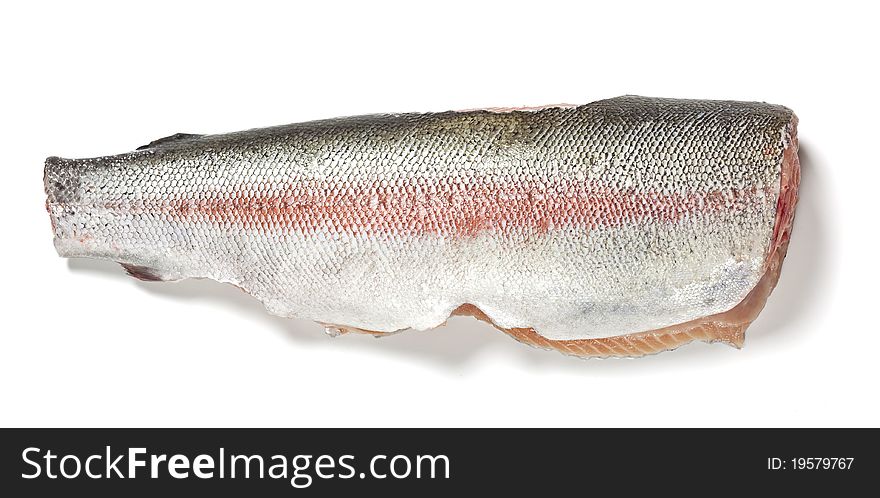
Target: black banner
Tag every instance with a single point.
(540, 462)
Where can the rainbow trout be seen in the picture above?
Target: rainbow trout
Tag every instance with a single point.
(618, 228)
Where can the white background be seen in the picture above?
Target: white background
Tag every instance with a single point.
(84, 345)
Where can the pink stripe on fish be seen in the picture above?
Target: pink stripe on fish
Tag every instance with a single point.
(457, 209)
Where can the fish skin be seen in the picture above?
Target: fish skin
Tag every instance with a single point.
(597, 230)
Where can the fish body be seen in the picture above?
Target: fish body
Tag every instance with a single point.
(617, 228)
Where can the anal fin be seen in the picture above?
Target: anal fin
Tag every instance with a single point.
(142, 272)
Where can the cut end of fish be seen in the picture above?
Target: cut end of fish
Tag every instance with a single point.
(73, 220)
(61, 184)
(83, 224)
(59, 180)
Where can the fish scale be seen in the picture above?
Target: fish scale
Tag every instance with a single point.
(579, 228)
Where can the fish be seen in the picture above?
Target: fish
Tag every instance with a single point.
(619, 228)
